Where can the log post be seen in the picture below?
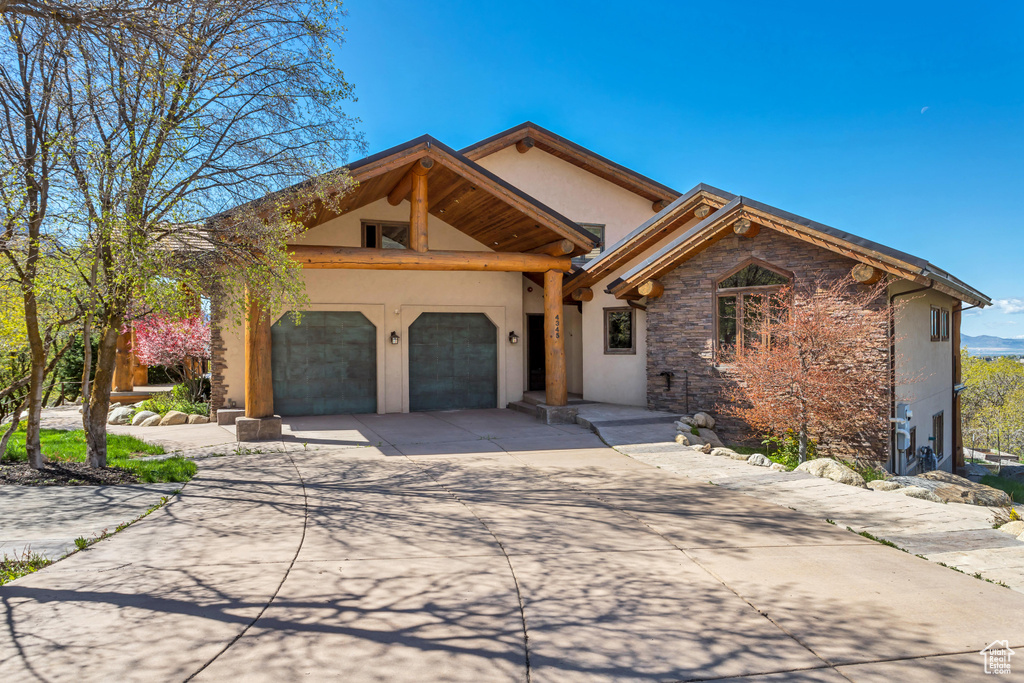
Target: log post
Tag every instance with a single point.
(651, 289)
(958, 428)
(259, 386)
(582, 294)
(559, 248)
(659, 205)
(403, 187)
(316, 256)
(418, 210)
(745, 228)
(702, 211)
(865, 274)
(525, 145)
(123, 371)
(556, 391)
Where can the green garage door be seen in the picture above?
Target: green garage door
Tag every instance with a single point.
(327, 365)
(453, 362)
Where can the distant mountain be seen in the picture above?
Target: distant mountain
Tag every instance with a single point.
(987, 345)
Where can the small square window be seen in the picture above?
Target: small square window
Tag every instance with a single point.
(619, 332)
(380, 235)
(597, 231)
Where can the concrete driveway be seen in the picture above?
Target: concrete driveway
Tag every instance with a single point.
(483, 546)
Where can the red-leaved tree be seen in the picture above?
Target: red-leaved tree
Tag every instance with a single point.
(177, 344)
(815, 361)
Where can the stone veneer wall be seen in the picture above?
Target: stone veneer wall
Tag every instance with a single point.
(680, 330)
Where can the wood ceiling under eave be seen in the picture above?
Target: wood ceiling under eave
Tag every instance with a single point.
(454, 199)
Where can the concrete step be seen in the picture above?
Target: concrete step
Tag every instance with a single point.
(524, 406)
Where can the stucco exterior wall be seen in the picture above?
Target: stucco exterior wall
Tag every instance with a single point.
(392, 300)
(681, 329)
(576, 194)
(924, 369)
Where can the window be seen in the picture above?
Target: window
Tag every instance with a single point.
(598, 232)
(741, 301)
(940, 324)
(912, 450)
(385, 235)
(938, 430)
(619, 336)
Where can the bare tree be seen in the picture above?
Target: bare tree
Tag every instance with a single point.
(244, 102)
(102, 17)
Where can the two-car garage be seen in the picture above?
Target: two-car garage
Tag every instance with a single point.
(328, 364)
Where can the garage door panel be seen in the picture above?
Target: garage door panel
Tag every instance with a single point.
(452, 362)
(325, 365)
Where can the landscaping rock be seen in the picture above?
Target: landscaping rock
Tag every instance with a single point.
(710, 437)
(198, 419)
(173, 417)
(777, 467)
(1015, 528)
(151, 421)
(120, 416)
(721, 451)
(884, 485)
(704, 420)
(973, 470)
(688, 439)
(953, 489)
(826, 468)
(919, 492)
(687, 421)
(142, 416)
(759, 459)
(706, 448)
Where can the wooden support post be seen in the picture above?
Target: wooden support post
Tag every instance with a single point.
(123, 371)
(582, 294)
(556, 391)
(418, 210)
(651, 289)
(259, 386)
(403, 187)
(745, 228)
(865, 274)
(525, 145)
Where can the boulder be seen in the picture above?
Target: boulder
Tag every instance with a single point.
(173, 417)
(687, 421)
(884, 485)
(142, 416)
(198, 419)
(777, 467)
(826, 468)
(722, 451)
(153, 421)
(120, 416)
(919, 492)
(704, 420)
(688, 439)
(759, 459)
(1015, 528)
(706, 448)
(953, 489)
(710, 437)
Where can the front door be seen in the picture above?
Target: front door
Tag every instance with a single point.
(535, 363)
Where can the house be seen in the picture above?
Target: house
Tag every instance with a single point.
(525, 263)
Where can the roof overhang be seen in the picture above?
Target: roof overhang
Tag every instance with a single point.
(722, 222)
(534, 136)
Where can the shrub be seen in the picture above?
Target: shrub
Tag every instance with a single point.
(785, 449)
(178, 399)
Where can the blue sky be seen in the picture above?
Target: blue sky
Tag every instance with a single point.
(902, 122)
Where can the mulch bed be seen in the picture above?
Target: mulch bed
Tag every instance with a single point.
(65, 474)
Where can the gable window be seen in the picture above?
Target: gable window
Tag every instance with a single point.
(938, 430)
(939, 324)
(739, 304)
(385, 235)
(597, 231)
(619, 331)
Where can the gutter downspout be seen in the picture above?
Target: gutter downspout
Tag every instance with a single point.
(893, 460)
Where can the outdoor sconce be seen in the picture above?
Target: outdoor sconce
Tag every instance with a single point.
(394, 337)
(513, 338)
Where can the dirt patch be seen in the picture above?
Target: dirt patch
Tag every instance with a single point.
(65, 474)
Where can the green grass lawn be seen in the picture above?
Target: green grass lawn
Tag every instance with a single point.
(69, 446)
(1014, 488)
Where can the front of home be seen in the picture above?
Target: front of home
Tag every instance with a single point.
(526, 263)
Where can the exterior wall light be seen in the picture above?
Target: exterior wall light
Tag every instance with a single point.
(513, 338)
(394, 337)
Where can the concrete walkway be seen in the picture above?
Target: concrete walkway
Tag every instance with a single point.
(483, 546)
(960, 536)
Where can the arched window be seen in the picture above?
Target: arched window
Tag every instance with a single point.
(738, 295)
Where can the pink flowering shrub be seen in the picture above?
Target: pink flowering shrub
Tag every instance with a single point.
(178, 345)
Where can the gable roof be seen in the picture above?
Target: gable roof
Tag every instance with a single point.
(575, 154)
(720, 224)
(676, 214)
